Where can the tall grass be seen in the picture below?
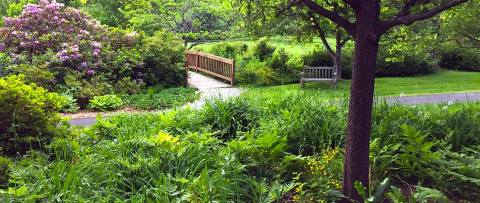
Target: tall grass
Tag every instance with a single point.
(257, 148)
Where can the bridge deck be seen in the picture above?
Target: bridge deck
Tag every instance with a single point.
(202, 82)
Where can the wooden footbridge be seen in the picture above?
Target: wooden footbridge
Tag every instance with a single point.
(214, 66)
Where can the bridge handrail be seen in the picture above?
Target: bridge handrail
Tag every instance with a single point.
(210, 64)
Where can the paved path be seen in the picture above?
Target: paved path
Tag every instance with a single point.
(211, 89)
(435, 98)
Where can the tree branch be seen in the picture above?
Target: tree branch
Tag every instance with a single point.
(408, 5)
(321, 32)
(334, 17)
(408, 19)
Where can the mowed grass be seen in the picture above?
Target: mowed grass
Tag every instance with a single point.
(443, 81)
(290, 46)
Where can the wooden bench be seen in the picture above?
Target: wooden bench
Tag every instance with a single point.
(318, 74)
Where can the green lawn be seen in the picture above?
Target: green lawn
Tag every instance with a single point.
(443, 81)
(294, 48)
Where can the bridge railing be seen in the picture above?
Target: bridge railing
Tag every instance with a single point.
(212, 65)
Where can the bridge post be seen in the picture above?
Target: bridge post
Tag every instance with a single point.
(196, 61)
(232, 73)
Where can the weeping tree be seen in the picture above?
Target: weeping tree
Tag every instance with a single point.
(371, 20)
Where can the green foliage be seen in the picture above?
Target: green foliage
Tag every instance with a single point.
(229, 118)
(158, 99)
(421, 194)
(318, 57)
(263, 50)
(229, 50)
(416, 155)
(5, 164)
(405, 52)
(164, 59)
(128, 86)
(263, 147)
(409, 66)
(70, 105)
(106, 103)
(29, 116)
(457, 58)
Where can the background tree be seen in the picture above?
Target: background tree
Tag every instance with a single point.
(300, 22)
(373, 18)
(193, 21)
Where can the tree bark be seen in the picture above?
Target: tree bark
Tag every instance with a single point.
(361, 100)
(337, 57)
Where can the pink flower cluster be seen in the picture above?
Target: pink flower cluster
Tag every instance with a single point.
(50, 26)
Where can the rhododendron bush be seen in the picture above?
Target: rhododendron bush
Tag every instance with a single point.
(76, 39)
(65, 50)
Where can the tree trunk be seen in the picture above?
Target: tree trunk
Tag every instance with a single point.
(357, 147)
(337, 58)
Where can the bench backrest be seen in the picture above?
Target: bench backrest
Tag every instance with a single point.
(318, 72)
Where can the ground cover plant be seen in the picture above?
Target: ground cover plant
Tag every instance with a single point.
(257, 148)
(157, 98)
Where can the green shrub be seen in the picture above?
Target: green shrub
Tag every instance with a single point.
(86, 90)
(262, 50)
(229, 118)
(29, 116)
(106, 103)
(318, 57)
(162, 99)
(460, 59)
(248, 72)
(128, 86)
(229, 50)
(409, 66)
(5, 62)
(164, 58)
(5, 164)
(70, 105)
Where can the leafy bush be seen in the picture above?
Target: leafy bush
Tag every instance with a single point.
(459, 59)
(229, 118)
(64, 50)
(229, 50)
(155, 99)
(318, 57)
(128, 86)
(164, 57)
(29, 116)
(409, 66)
(262, 50)
(5, 164)
(72, 35)
(106, 103)
(70, 105)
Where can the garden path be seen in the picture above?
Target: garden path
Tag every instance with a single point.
(436, 98)
(209, 89)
